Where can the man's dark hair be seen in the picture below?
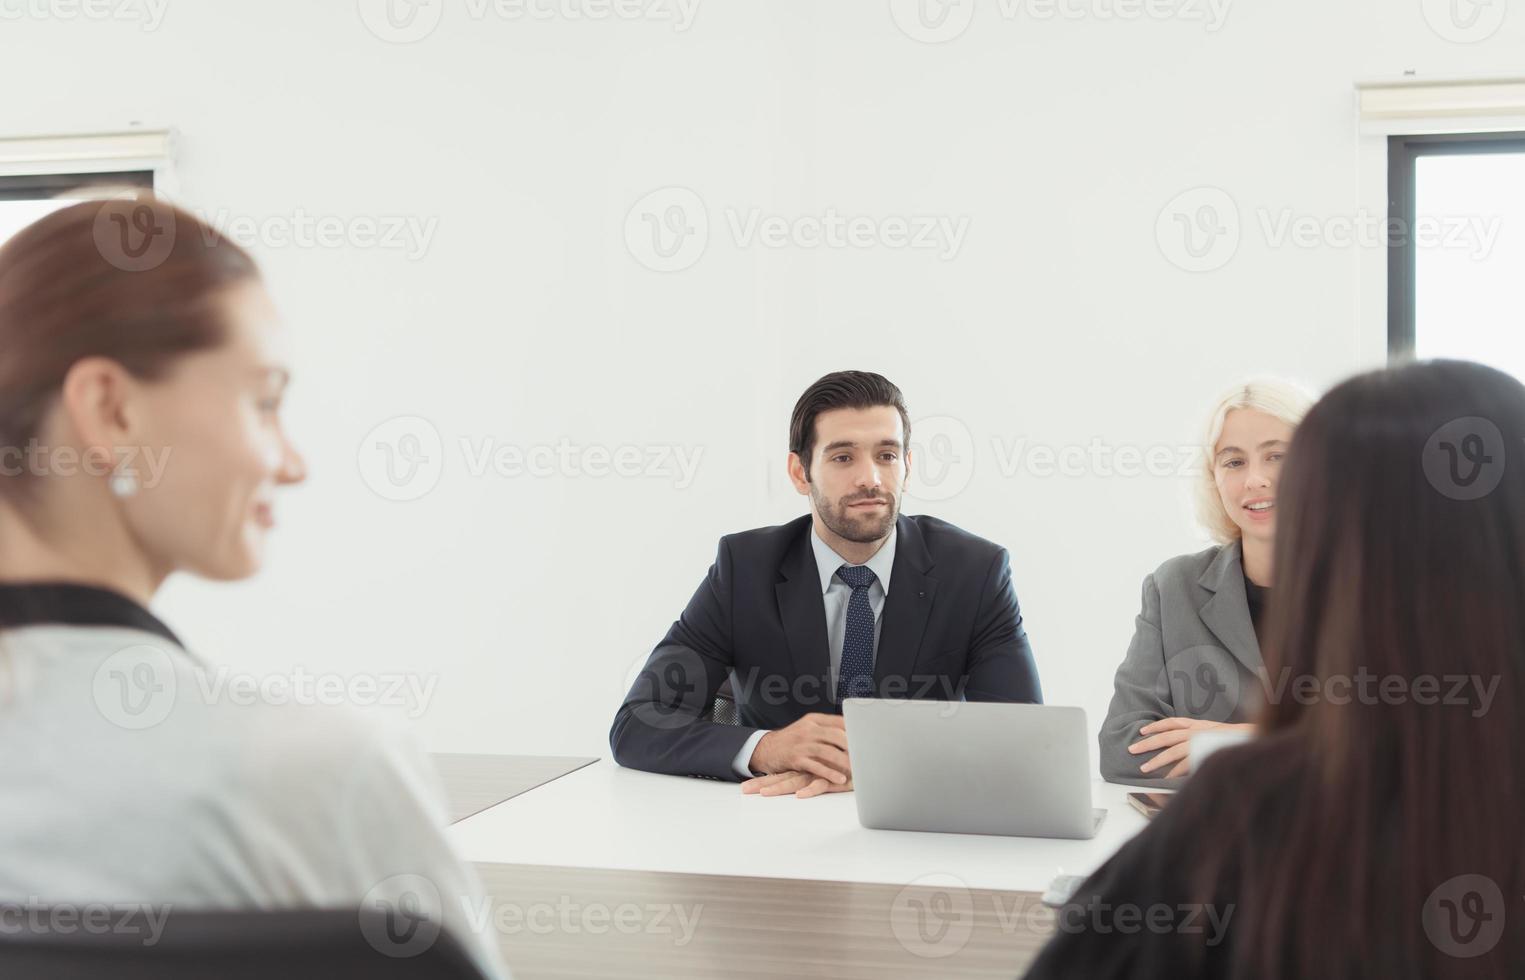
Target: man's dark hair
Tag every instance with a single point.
(841, 389)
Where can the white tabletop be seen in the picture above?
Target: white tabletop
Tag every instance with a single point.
(604, 816)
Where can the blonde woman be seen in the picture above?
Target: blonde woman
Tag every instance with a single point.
(1195, 662)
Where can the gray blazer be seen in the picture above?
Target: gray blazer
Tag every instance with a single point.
(1193, 655)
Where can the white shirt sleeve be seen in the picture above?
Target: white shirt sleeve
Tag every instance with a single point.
(398, 849)
(742, 763)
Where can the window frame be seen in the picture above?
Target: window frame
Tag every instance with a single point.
(1403, 153)
(33, 187)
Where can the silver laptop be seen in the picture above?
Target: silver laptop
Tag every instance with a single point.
(960, 767)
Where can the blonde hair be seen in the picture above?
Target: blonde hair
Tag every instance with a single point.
(1285, 401)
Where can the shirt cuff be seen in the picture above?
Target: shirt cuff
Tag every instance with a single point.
(742, 764)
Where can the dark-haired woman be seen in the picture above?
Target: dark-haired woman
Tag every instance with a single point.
(1373, 829)
(141, 378)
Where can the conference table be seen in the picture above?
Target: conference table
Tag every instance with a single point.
(604, 871)
(475, 782)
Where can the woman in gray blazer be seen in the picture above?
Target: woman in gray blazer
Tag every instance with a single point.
(1194, 662)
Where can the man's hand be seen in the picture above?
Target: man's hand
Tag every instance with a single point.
(1173, 737)
(802, 785)
(816, 745)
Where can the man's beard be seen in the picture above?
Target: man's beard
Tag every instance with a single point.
(858, 528)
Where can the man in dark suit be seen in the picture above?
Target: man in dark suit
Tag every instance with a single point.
(853, 599)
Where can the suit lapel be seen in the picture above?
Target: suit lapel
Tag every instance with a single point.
(802, 611)
(1227, 612)
(906, 607)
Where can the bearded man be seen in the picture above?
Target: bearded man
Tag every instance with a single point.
(853, 599)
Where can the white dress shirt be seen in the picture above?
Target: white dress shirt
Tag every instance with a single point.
(835, 594)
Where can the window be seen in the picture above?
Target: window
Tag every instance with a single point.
(39, 174)
(1456, 247)
(25, 199)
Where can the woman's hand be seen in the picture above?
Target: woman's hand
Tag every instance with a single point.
(1172, 738)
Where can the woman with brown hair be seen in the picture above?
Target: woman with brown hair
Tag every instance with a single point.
(141, 379)
(1373, 829)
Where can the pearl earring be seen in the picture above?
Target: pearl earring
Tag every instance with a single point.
(124, 482)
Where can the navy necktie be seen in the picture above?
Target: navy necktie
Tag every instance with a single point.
(855, 676)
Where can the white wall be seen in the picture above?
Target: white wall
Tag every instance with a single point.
(527, 320)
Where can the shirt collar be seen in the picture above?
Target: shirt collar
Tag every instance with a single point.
(69, 604)
(828, 561)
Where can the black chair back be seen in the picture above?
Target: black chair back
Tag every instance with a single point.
(101, 943)
(722, 709)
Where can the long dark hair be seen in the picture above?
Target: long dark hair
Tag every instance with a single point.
(1400, 555)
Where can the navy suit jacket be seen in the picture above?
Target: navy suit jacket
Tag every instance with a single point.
(951, 629)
